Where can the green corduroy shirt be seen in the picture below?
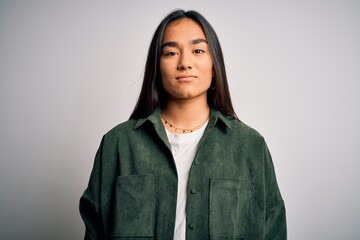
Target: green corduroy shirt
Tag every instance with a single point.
(232, 188)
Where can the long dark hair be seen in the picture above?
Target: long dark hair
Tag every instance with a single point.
(152, 93)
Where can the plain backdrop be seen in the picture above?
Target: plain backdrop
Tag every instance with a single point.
(72, 70)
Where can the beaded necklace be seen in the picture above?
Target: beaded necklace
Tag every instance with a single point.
(182, 130)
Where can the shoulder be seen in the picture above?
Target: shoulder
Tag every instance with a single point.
(242, 129)
(122, 128)
(130, 126)
(118, 136)
(247, 135)
(239, 129)
(239, 138)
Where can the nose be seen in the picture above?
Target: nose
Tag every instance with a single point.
(184, 62)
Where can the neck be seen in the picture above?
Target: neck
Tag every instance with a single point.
(186, 114)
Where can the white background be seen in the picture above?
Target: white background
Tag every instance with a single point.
(72, 70)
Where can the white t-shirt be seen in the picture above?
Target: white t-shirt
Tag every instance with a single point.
(183, 148)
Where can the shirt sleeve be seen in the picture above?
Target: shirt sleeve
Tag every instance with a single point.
(89, 205)
(275, 217)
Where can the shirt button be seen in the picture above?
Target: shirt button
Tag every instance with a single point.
(193, 191)
(191, 225)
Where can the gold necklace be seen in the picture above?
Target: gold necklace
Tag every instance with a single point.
(183, 130)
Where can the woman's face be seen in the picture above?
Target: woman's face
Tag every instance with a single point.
(185, 62)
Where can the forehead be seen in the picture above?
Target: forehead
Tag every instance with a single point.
(183, 29)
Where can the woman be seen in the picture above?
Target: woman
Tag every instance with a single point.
(183, 166)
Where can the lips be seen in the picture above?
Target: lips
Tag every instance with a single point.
(185, 77)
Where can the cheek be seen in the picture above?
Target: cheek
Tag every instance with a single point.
(162, 69)
(207, 66)
(165, 69)
(164, 72)
(207, 69)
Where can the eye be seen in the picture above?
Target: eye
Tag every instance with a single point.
(199, 51)
(170, 54)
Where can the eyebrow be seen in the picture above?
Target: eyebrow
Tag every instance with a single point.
(175, 44)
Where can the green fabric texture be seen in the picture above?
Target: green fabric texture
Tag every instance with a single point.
(232, 187)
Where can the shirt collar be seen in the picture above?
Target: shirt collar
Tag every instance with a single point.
(217, 115)
(155, 118)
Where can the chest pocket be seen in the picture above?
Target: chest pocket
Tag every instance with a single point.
(134, 215)
(230, 201)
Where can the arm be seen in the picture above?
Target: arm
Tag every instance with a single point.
(275, 217)
(90, 202)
